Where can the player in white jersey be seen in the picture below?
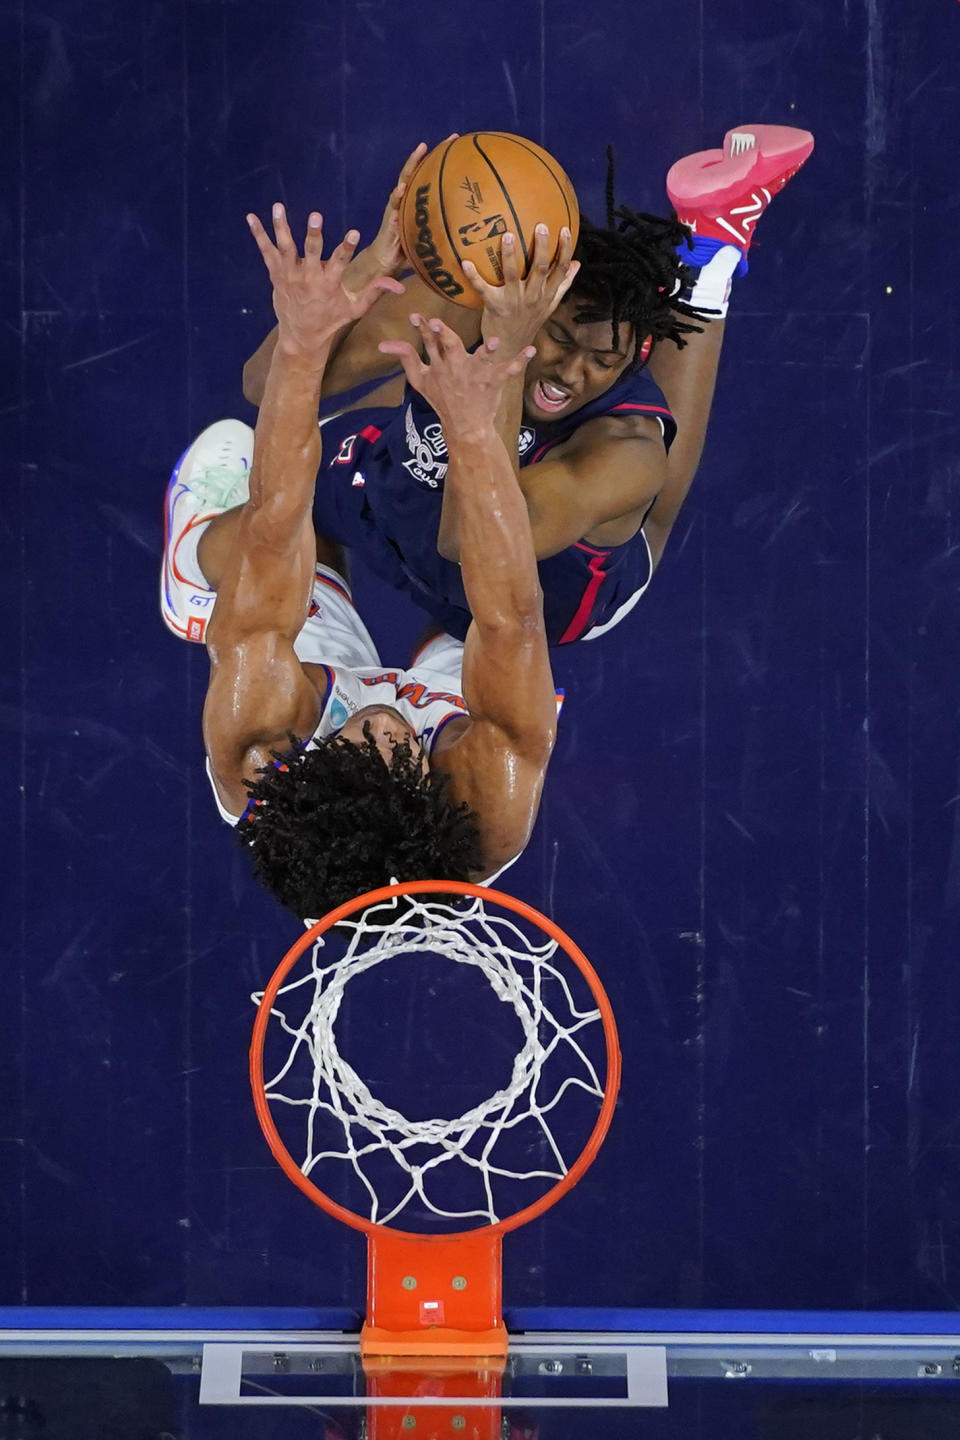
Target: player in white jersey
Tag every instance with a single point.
(439, 774)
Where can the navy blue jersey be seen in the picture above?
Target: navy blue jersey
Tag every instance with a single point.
(381, 485)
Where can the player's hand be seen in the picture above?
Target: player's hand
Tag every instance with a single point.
(516, 310)
(464, 388)
(310, 298)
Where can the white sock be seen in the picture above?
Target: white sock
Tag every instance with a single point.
(711, 289)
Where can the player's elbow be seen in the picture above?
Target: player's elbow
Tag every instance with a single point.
(513, 616)
(253, 383)
(448, 548)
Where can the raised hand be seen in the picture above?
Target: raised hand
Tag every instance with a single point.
(517, 309)
(464, 388)
(310, 298)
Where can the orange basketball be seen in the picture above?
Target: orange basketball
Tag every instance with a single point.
(466, 193)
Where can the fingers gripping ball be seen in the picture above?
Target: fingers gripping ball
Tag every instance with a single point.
(466, 194)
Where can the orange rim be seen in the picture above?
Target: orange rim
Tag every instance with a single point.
(448, 887)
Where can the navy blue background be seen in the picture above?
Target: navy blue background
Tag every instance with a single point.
(751, 820)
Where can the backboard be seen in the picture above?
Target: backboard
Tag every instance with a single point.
(194, 1374)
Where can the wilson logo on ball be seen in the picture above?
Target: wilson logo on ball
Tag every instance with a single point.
(426, 250)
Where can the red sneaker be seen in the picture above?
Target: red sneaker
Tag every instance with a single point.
(721, 194)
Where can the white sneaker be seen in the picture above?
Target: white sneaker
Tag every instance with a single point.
(213, 475)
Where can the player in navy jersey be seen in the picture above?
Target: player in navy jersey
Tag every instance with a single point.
(342, 774)
(607, 425)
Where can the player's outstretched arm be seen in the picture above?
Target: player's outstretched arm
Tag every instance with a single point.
(498, 764)
(258, 691)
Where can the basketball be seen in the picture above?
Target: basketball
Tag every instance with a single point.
(466, 194)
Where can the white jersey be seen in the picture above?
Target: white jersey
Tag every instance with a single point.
(427, 696)
(425, 699)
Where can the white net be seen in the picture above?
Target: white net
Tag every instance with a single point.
(401, 1164)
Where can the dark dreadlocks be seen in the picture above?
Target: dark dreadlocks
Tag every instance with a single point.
(630, 273)
(328, 824)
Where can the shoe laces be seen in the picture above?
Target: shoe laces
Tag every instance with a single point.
(222, 483)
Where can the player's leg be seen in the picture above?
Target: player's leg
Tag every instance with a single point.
(205, 498)
(207, 490)
(687, 378)
(720, 195)
(217, 539)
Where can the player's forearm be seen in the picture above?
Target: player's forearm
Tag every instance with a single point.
(347, 366)
(509, 419)
(507, 424)
(687, 378)
(496, 549)
(353, 358)
(287, 440)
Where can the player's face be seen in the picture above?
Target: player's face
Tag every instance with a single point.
(573, 364)
(386, 727)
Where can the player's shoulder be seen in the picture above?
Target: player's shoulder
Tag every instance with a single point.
(499, 778)
(613, 426)
(477, 751)
(634, 406)
(258, 695)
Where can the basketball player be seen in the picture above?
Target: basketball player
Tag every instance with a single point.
(609, 421)
(342, 774)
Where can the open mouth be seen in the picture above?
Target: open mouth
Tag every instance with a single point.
(550, 397)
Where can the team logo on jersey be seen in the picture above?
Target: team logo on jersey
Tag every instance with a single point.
(428, 462)
(345, 454)
(415, 693)
(339, 714)
(428, 452)
(340, 706)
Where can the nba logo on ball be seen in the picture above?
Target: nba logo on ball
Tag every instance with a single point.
(477, 231)
(470, 191)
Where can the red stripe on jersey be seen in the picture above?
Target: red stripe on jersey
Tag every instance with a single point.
(642, 409)
(339, 586)
(584, 610)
